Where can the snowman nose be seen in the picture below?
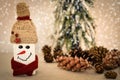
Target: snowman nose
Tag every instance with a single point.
(22, 52)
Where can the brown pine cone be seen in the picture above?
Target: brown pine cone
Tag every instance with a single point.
(112, 60)
(99, 68)
(73, 64)
(46, 49)
(48, 58)
(47, 54)
(98, 53)
(110, 75)
(100, 50)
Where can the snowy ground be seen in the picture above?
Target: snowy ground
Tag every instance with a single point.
(47, 71)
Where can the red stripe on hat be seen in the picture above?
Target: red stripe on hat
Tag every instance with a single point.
(24, 18)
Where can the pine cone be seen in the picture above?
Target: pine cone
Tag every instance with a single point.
(48, 58)
(112, 59)
(98, 53)
(111, 75)
(99, 68)
(46, 49)
(100, 50)
(73, 64)
(47, 54)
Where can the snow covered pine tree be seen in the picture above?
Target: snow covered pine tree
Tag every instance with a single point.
(73, 24)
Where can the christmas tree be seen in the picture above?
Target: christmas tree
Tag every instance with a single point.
(74, 25)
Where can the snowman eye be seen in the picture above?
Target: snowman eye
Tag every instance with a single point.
(20, 46)
(27, 47)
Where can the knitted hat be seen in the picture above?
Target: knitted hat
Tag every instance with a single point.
(23, 31)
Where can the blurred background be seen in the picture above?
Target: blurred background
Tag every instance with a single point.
(106, 14)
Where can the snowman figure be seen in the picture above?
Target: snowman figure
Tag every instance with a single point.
(24, 37)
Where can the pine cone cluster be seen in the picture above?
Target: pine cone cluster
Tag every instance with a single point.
(112, 59)
(73, 63)
(47, 54)
(111, 75)
(94, 55)
(85, 54)
(57, 52)
(79, 60)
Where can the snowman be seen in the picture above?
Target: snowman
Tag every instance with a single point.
(23, 37)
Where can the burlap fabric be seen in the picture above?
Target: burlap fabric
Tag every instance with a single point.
(23, 31)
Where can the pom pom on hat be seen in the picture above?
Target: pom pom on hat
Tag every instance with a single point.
(22, 9)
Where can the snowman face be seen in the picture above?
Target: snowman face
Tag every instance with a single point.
(24, 53)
